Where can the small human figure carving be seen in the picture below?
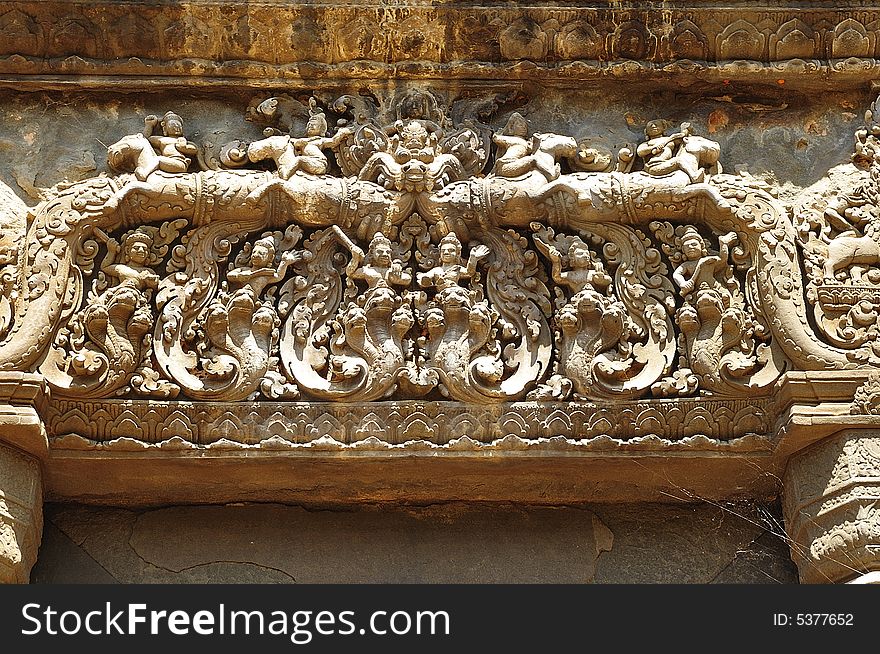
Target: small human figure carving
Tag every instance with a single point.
(131, 270)
(260, 270)
(699, 271)
(585, 272)
(381, 270)
(446, 276)
(518, 154)
(172, 150)
(682, 150)
(303, 153)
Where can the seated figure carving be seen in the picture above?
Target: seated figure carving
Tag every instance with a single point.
(145, 153)
(695, 155)
(303, 154)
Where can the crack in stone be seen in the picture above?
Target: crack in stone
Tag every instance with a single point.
(81, 548)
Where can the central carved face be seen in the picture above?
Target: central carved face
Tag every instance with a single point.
(653, 130)
(260, 256)
(414, 136)
(138, 252)
(449, 253)
(692, 247)
(579, 256)
(315, 126)
(173, 127)
(382, 255)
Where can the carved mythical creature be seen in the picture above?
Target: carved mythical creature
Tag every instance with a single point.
(108, 339)
(366, 338)
(719, 331)
(593, 325)
(146, 153)
(304, 154)
(683, 150)
(518, 155)
(217, 339)
(412, 160)
(349, 324)
(458, 324)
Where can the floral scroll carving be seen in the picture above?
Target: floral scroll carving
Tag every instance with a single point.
(412, 251)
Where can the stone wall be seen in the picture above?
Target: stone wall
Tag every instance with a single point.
(449, 543)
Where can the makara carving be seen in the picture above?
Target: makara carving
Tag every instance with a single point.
(404, 254)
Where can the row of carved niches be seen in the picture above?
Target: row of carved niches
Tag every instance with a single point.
(424, 31)
(423, 249)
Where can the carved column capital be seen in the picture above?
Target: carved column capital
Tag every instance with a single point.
(23, 444)
(831, 502)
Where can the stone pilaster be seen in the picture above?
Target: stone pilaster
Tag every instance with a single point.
(23, 445)
(831, 502)
(21, 514)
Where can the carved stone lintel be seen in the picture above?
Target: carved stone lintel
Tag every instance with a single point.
(830, 501)
(21, 514)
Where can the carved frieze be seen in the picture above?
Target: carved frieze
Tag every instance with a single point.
(434, 248)
(413, 264)
(421, 40)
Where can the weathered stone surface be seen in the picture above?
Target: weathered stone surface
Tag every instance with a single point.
(21, 514)
(680, 43)
(457, 543)
(697, 543)
(830, 497)
(273, 543)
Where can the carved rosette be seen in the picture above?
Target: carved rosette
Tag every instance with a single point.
(831, 502)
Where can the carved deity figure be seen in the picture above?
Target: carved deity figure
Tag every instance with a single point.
(300, 154)
(131, 269)
(518, 154)
(381, 270)
(682, 150)
(147, 152)
(700, 271)
(584, 272)
(446, 276)
(260, 270)
(172, 150)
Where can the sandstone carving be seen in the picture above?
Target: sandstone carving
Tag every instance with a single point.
(421, 260)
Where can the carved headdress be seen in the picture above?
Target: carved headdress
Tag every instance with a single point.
(317, 115)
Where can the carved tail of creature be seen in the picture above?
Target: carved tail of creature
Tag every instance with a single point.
(647, 348)
(750, 366)
(357, 369)
(47, 285)
(215, 348)
(775, 290)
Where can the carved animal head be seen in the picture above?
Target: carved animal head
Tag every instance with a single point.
(122, 155)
